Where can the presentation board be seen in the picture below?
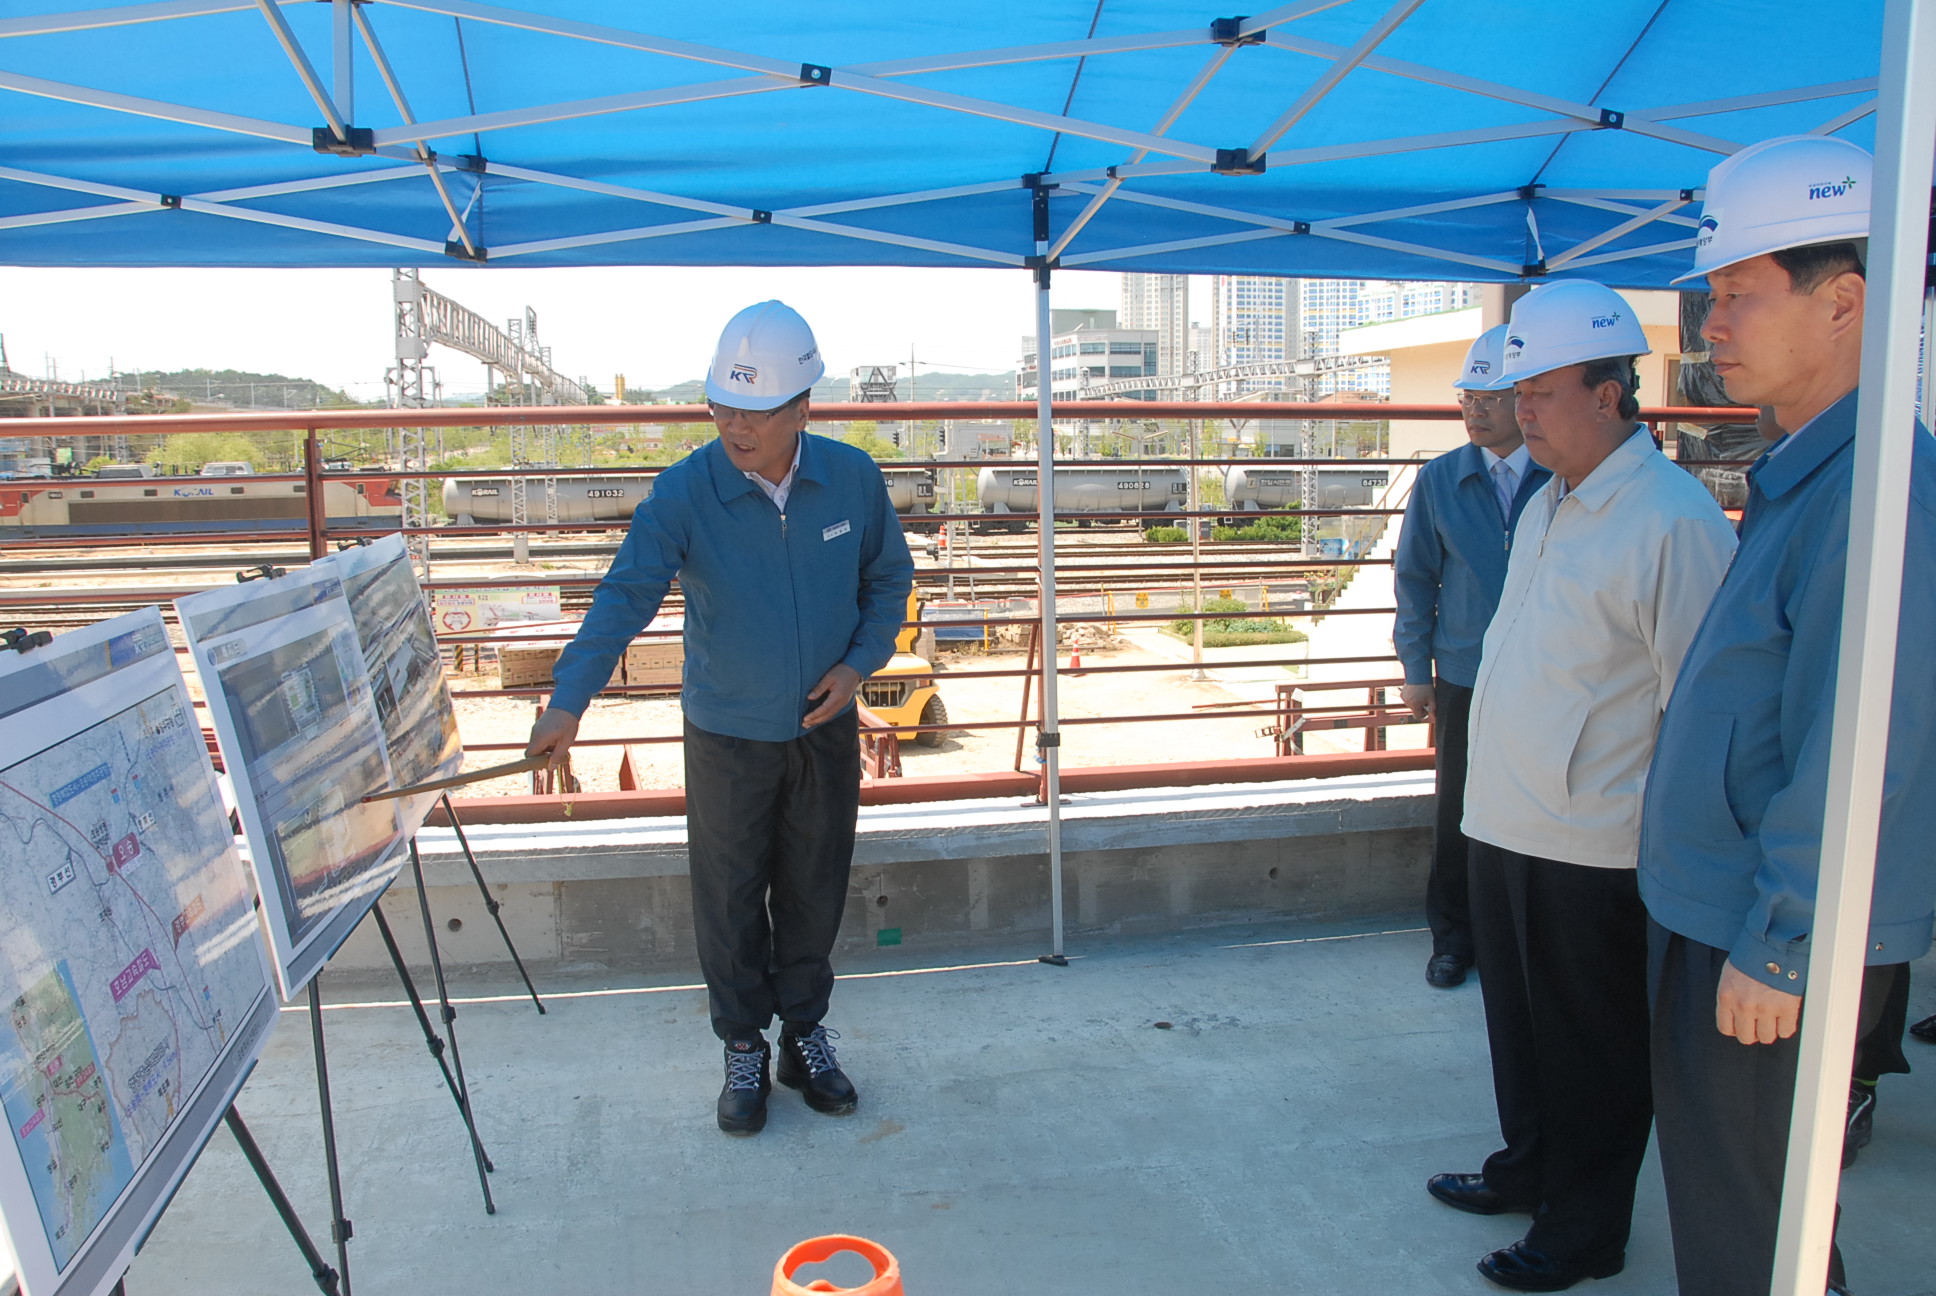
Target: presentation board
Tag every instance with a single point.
(323, 686)
(138, 994)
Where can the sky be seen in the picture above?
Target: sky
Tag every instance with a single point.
(655, 325)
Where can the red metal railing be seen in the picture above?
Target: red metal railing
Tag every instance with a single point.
(318, 533)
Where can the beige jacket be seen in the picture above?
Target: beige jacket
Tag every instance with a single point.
(1604, 592)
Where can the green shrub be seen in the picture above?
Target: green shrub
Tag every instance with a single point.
(1165, 535)
(1232, 631)
(1282, 529)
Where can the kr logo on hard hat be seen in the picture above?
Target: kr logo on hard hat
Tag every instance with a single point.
(743, 374)
(1482, 366)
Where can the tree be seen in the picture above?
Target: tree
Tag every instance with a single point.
(864, 435)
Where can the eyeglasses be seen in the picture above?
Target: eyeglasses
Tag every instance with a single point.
(1469, 397)
(758, 418)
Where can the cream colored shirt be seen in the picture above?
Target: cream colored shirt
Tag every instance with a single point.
(1604, 592)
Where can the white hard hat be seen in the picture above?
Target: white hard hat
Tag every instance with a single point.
(1783, 193)
(1569, 323)
(1485, 367)
(766, 357)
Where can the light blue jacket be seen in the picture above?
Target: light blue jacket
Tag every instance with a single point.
(1731, 830)
(1450, 564)
(773, 600)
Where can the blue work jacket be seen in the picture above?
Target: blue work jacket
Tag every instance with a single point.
(773, 600)
(1731, 828)
(1450, 564)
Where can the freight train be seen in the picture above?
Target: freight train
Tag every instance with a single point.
(593, 500)
(51, 508)
(1079, 491)
(1250, 488)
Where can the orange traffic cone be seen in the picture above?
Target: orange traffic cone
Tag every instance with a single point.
(887, 1270)
(1075, 661)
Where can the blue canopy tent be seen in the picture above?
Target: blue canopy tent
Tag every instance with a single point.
(1327, 137)
(1457, 139)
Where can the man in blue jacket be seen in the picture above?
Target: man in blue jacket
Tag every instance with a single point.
(795, 575)
(1449, 567)
(1732, 823)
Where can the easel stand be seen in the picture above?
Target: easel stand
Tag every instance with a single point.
(326, 1277)
(339, 1227)
(459, 1090)
(491, 906)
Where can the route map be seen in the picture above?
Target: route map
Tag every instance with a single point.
(130, 955)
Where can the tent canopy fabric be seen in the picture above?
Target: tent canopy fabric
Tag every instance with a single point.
(1421, 139)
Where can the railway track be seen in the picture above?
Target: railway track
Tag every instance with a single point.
(57, 589)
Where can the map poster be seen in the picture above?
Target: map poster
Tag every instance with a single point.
(324, 685)
(135, 992)
(290, 698)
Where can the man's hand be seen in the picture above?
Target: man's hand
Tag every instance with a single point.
(834, 691)
(553, 735)
(1418, 697)
(1752, 1012)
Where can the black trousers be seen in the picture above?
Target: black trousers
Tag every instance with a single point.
(1562, 957)
(1724, 1113)
(770, 835)
(1447, 910)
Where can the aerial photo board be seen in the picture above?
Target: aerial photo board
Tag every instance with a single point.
(324, 686)
(131, 961)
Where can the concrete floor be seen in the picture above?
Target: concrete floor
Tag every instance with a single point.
(1023, 1129)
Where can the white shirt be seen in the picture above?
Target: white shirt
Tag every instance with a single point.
(778, 494)
(1506, 474)
(1604, 592)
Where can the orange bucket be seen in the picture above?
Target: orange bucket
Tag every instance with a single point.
(887, 1270)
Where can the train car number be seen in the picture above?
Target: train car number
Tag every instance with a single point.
(599, 492)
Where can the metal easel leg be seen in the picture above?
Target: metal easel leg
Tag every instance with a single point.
(339, 1226)
(449, 1013)
(491, 906)
(435, 1043)
(318, 1268)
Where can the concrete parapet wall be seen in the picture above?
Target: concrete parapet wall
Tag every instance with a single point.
(614, 893)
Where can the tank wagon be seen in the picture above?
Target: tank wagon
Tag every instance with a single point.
(911, 490)
(1080, 491)
(142, 506)
(1251, 488)
(590, 500)
(582, 499)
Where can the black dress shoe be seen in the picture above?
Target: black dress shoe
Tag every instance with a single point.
(742, 1103)
(1925, 1030)
(1468, 1192)
(1446, 971)
(1861, 1126)
(1523, 1269)
(807, 1064)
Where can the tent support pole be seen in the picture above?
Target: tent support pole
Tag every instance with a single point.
(1048, 737)
(1865, 676)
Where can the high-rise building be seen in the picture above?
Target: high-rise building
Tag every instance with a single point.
(1255, 319)
(1160, 303)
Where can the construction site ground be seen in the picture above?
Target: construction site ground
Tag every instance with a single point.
(1248, 1110)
